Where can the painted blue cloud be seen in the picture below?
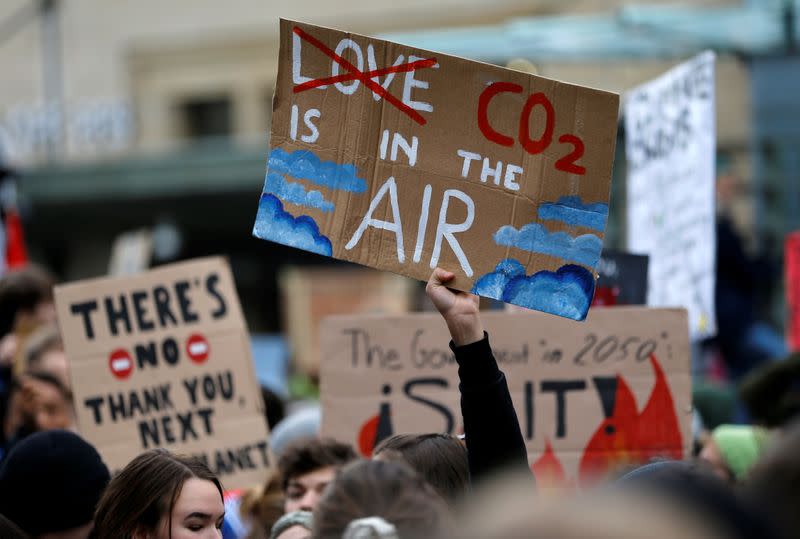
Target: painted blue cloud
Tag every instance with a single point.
(493, 284)
(573, 211)
(295, 193)
(305, 165)
(566, 292)
(275, 224)
(535, 238)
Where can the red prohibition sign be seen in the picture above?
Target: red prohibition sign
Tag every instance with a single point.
(366, 78)
(197, 348)
(120, 363)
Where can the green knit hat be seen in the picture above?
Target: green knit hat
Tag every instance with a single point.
(740, 446)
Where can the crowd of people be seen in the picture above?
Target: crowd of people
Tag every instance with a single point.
(743, 481)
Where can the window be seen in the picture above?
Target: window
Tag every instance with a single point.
(207, 117)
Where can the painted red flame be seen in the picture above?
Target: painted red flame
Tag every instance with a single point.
(367, 435)
(547, 469)
(629, 437)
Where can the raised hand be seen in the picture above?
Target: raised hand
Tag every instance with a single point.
(459, 309)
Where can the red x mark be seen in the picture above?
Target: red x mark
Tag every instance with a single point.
(366, 78)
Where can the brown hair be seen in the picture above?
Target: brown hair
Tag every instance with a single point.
(386, 489)
(507, 507)
(440, 458)
(263, 506)
(144, 492)
(23, 290)
(309, 455)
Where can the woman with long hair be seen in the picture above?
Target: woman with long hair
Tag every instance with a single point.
(159, 495)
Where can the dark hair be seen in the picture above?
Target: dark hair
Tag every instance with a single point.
(263, 506)
(145, 491)
(694, 488)
(386, 489)
(440, 458)
(9, 530)
(23, 290)
(772, 392)
(308, 455)
(772, 484)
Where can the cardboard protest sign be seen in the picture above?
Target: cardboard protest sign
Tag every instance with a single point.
(792, 264)
(162, 359)
(622, 279)
(403, 160)
(311, 294)
(671, 149)
(589, 397)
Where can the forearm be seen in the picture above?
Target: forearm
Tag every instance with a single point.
(493, 436)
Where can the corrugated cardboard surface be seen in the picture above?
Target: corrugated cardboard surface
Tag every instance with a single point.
(310, 294)
(351, 128)
(367, 361)
(193, 293)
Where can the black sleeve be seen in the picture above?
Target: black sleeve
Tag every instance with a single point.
(491, 429)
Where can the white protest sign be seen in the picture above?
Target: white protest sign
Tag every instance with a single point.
(671, 150)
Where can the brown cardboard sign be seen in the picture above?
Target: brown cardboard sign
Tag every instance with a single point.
(162, 359)
(310, 294)
(403, 160)
(590, 398)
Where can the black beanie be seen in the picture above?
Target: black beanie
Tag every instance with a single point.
(51, 481)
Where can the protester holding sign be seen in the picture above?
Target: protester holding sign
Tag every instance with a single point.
(493, 436)
(26, 302)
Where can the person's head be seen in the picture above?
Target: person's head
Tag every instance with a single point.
(50, 484)
(159, 495)
(773, 483)
(307, 467)
(46, 402)
(383, 499)
(771, 392)
(43, 351)
(9, 530)
(26, 299)
(732, 450)
(263, 506)
(511, 509)
(295, 525)
(37, 402)
(440, 458)
(695, 487)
